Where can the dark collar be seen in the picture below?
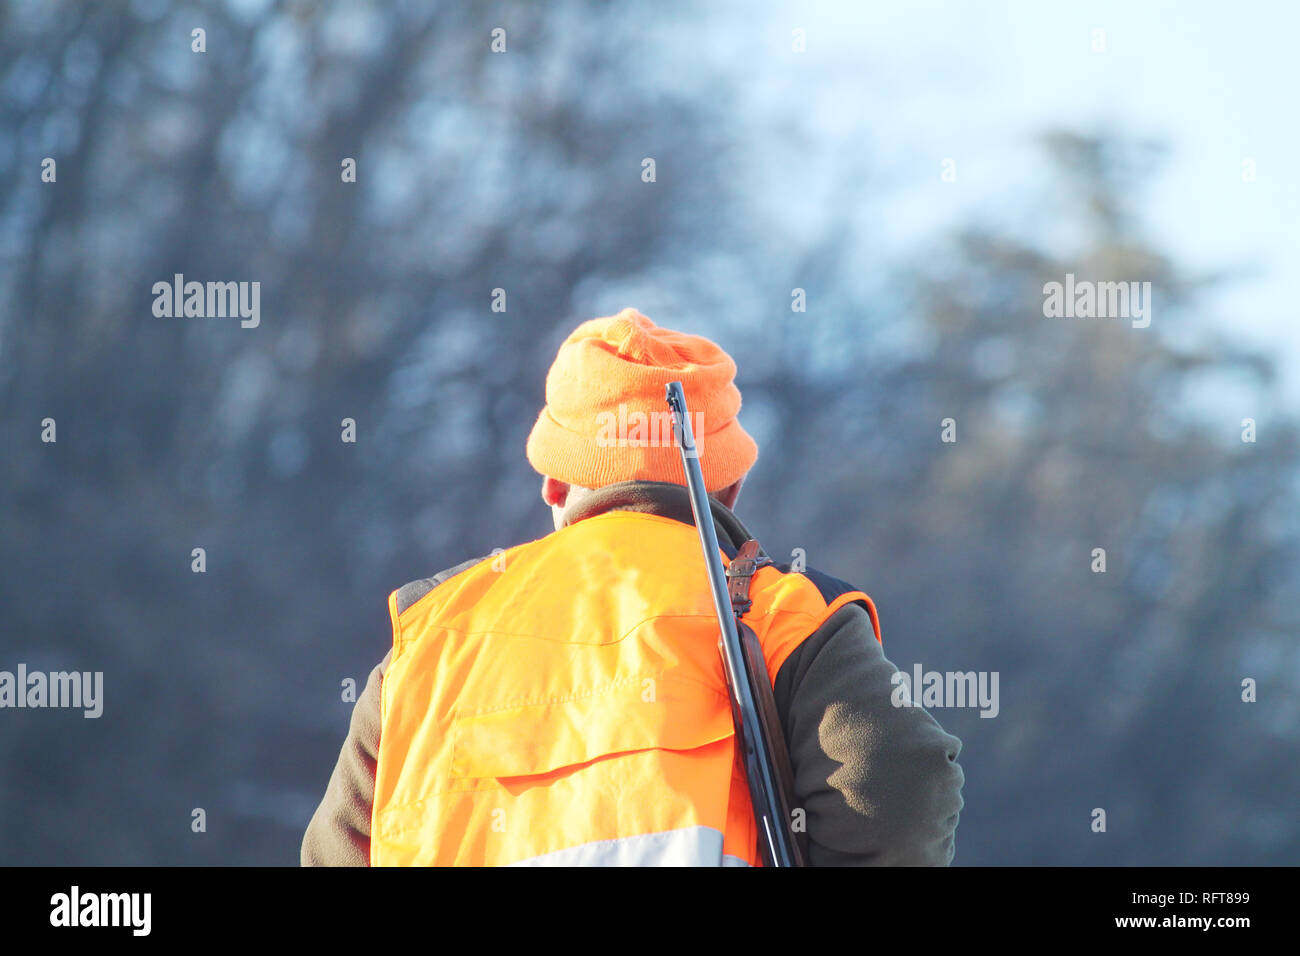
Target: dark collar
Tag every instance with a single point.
(661, 498)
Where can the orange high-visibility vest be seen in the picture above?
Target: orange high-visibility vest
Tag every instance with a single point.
(564, 703)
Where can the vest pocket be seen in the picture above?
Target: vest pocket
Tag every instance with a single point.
(640, 713)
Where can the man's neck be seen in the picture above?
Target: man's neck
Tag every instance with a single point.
(661, 498)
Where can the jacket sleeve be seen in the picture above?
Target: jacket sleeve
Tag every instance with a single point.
(339, 832)
(880, 784)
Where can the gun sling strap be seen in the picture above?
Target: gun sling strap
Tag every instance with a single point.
(739, 575)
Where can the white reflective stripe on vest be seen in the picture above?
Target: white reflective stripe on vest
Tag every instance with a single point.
(691, 846)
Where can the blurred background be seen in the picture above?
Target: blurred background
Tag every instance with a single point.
(920, 171)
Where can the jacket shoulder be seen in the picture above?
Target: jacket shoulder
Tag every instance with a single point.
(833, 592)
(412, 591)
(827, 586)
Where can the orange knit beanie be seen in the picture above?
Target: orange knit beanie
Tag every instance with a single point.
(605, 418)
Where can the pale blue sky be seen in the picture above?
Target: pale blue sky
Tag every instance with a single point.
(910, 84)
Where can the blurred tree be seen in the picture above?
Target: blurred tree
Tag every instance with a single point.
(476, 171)
(1122, 689)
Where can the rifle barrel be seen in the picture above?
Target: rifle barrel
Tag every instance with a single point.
(775, 840)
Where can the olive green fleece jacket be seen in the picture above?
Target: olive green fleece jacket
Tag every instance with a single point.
(880, 784)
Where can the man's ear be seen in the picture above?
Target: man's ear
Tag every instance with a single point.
(554, 492)
(729, 494)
